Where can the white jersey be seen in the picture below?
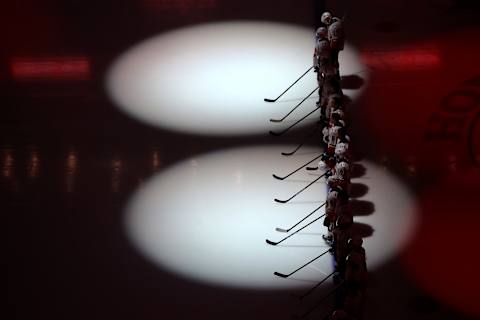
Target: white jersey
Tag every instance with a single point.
(341, 150)
(322, 57)
(333, 135)
(332, 200)
(325, 133)
(337, 181)
(342, 170)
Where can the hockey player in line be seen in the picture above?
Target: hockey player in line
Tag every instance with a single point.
(336, 37)
(337, 199)
(342, 151)
(334, 134)
(322, 55)
(340, 177)
(356, 282)
(341, 234)
(355, 278)
(334, 106)
(326, 69)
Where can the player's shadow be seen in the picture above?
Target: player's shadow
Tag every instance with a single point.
(358, 171)
(362, 207)
(352, 82)
(358, 190)
(361, 229)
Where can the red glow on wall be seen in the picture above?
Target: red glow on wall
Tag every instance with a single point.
(443, 256)
(51, 69)
(402, 59)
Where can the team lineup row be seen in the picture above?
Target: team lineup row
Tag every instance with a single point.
(336, 162)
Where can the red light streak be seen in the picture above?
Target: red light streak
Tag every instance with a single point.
(402, 59)
(51, 69)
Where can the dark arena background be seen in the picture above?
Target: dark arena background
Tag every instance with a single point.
(136, 162)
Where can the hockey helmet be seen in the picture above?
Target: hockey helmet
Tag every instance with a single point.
(321, 32)
(326, 18)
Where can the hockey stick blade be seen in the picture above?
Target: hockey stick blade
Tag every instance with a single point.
(269, 100)
(293, 152)
(312, 168)
(301, 144)
(289, 236)
(277, 177)
(275, 133)
(296, 224)
(280, 274)
(296, 194)
(271, 242)
(275, 120)
(294, 108)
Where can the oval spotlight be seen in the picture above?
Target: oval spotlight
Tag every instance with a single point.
(207, 218)
(211, 79)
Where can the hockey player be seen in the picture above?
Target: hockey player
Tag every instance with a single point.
(341, 176)
(333, 107)
(336, 200)
(342, 151)
(327, 161)
(356, 282)
(331, 84)
(330, 94)
(335, 133)
(341, 234)
(331, 208)
(356, 271)
(355, 247)
(336, 37)
(322, 56)
(337, 117)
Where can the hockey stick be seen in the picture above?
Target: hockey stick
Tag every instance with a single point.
(273, 243)
(315, 287)
(296, 194)
(296, 170)
(312, 168)
(273, 100)
(296, 224)
(306, 264)
(298, 105)
(293, 125)
(319, 303)
(301, 144)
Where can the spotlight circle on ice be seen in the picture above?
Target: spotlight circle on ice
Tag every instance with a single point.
(207, 218)
(211, 79)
